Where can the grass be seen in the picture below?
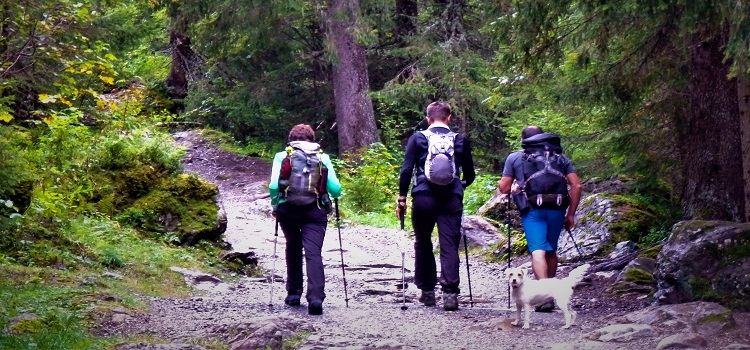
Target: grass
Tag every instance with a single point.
(67, 300)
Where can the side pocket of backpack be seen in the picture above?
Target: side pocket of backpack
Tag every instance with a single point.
(522, 201)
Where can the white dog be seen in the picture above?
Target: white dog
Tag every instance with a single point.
(530, 292)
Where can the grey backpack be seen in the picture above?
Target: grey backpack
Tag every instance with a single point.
(301, 173)
(440, 165)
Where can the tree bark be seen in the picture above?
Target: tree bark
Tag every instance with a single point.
(177, 81)
(406, 18)
(714, 187)
(355, 116)
(743, 97)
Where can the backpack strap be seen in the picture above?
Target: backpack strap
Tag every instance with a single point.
(547, 168)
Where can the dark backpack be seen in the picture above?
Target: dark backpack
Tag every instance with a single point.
(302, 179)
(440, 165)
(545, 184)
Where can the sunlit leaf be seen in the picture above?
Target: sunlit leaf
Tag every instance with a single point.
(5, 116)
(107, 80)
(44, 98)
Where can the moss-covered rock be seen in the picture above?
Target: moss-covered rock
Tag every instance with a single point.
(634, 220)
(706, 260)
(182, 208)
(639, 276)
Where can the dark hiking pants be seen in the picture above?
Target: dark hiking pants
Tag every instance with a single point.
(445, 211)
(304, 228)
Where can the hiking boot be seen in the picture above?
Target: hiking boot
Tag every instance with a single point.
(315, 307)
(548, 306)
(292, 300)
(450, 301)
(427, 298)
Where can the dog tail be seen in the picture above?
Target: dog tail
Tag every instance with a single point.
(576, 275)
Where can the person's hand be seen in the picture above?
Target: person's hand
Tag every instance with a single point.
(273, 213)
(514, 187)
(400, 207)
(570, 222)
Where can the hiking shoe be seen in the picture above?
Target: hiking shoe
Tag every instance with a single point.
(315, 307)
(292, 300)
(427, 298)
(548, 306)
(450, 301)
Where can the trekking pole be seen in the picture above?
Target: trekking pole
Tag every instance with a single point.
(272, 278)
(507, 223)
(341, 249)
(580, 255)
(402, 214)
(468, 273)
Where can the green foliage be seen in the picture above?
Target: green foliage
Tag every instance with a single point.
(372, 185)
(476, 195)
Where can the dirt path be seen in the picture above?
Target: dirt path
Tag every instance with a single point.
(373, 318)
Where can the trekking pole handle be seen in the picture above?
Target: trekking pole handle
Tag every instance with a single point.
(401, 214)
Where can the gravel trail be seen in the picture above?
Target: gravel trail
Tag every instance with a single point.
(372, 256)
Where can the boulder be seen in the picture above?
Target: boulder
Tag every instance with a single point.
(479, 232)
(694, 317)
(705, 260)
(595, 213)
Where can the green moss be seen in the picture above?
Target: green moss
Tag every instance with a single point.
(191, 186)
(701, 289)
(741, 249)
(588, 201)
(639, 276)
(632, 224)
(29, 326)
(720, 318)
(652, 252)
(184, 199)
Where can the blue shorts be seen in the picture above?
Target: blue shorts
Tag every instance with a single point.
(542, 228)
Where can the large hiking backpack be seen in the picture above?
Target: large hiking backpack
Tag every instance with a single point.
(301, 175)
(440, 165)
(545, 184)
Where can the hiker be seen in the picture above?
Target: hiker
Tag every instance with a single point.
(437, 197)
(302, 182)
(543, 215)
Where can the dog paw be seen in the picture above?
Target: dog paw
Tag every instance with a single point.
(526, 326)
(515, 323)
(565, 326)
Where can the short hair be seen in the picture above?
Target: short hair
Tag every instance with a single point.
(302, 132)
(530, 131)
(438, 110)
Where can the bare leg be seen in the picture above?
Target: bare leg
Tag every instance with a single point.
(551, 258)
(539, 264)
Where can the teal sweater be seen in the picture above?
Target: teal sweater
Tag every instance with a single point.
(333, 185)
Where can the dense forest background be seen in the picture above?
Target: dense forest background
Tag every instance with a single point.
(655, 93)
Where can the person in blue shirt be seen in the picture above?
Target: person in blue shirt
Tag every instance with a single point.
(543, 224)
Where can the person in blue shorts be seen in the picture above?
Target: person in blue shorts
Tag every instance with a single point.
(543, 223)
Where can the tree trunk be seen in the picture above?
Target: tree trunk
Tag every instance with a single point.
(406, 18)
(743, 96)
(714, 187)
(177, 81)
(354, 113)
